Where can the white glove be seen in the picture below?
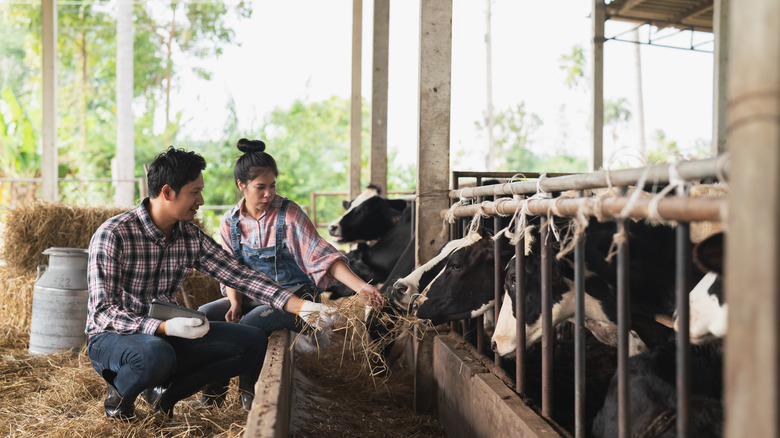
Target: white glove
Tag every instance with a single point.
(189, 328)
(318, 315)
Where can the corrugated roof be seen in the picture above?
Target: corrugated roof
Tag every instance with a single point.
(680, 14)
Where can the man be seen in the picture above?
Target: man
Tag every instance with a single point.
(145, 254)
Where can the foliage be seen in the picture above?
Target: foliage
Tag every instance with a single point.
(86, 120)
(667, 150)
(573, 64)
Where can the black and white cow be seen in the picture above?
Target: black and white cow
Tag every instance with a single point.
(407, 289)
(653, 394)
(384, 222)
(367, 217)
(464, 288)
(652, 287)
(708, 308)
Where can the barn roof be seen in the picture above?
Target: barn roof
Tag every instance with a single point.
(680, 14)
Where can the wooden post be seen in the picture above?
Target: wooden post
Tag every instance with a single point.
(356, 119)
(596, 157)
(720, 28)
(752, 362)
(433, 153)
(378, 157)
(433, 158)
(124, 191)
(49, 105)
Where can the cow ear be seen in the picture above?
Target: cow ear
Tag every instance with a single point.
(345, 204)
(708, 254)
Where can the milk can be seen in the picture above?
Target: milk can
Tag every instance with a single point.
(59, 310)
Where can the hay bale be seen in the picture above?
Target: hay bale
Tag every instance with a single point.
(200, 289)
(33, 227)
(16, 300)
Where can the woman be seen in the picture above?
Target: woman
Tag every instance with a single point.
(270, 233)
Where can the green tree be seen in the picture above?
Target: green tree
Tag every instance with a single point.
(86, 76)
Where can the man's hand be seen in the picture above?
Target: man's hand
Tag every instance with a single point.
(189, 328)
(318, 315)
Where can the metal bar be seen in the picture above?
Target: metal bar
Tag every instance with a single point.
(624, 322)
(547, 329)
(454, 229)
(689, 209)
(579, 338)
(520, 315)
(687, 170)
(498, 272)
(683, 262)
(692, 48)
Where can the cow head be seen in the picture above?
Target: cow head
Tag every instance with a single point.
(563, 301)
(368, 217)
(406, 290)
(464, 287)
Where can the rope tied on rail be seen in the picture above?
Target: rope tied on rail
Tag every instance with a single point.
(675, 182)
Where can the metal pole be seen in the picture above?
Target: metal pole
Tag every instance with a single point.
(624, 323)
(520, 314)
(547, 329)
(683, 263)
(579, 338)
(498, 272)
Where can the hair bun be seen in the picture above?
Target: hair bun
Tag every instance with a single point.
(248, 146)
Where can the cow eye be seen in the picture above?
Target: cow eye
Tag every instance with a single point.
(456, 267)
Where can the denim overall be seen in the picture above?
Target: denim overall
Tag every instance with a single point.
(275, 261)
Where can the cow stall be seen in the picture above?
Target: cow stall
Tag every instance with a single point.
(666, 199)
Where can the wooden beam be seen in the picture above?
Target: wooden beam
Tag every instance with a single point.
(49, 160)
(720, 76)
(356, 107)
(379, 83)
(679, 19)
(596, 158)
(752, 280)
(621, 6)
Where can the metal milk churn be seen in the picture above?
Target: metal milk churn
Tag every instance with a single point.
(59, 310)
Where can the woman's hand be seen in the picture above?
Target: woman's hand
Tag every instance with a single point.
(371, 295)
(234, 313)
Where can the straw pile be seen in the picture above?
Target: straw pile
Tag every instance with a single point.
(370, 332)
(61, 395)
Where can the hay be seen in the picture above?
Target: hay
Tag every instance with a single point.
(387, 325)
(16, 298)
(34, 227)
(200, 289)
(61, 395)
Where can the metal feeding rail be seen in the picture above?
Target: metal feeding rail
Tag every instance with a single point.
(546, 202)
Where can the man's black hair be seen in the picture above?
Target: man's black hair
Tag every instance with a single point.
(175, 167)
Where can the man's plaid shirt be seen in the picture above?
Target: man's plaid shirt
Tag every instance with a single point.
(130, 263)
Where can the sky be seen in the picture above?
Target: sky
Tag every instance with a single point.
(301, 50)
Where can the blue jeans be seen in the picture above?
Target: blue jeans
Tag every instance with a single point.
(257, 315)
(133, 363)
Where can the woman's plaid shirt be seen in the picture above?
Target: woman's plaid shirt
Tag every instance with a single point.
(130, 263)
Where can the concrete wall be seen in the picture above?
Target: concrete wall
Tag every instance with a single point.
(472, 402)
(270, 414)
